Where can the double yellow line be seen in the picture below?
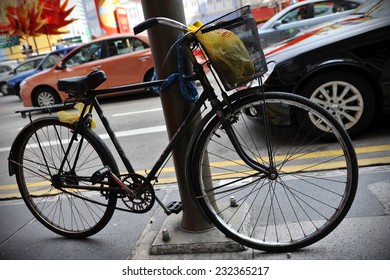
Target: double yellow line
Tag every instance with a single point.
(361, 152)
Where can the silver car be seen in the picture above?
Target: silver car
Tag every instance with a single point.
(6, 68)
(302, 15)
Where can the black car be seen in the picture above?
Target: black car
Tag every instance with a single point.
(344, 66)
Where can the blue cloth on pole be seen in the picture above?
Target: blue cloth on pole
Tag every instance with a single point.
(187, 88)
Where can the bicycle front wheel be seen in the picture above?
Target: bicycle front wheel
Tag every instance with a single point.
(62, 200)
(308, 184)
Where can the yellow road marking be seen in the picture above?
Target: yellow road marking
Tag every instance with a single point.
(359, 151)
(372, 149)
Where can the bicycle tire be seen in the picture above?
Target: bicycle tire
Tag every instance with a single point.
(73, 213)
(314, 179)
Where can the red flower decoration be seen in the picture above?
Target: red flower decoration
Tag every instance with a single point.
(36, 17)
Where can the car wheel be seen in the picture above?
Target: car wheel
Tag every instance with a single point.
(148, 78)
(3, 88)
(347, 96)
(149, 75)
(45, 96)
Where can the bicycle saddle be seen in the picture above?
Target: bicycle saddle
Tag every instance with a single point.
(81, 84)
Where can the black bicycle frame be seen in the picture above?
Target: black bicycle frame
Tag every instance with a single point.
(182, 130)
(208, 93)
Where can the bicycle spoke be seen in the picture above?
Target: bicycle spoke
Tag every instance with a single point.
(304, 196)
(76, 211)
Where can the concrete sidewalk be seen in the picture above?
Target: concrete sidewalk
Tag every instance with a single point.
(363, 235)
(356, 238)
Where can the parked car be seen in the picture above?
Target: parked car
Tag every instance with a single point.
(27, 65)
(34, 66)
(6, 68)
(343, 66)
(125, 58)
(302, 15)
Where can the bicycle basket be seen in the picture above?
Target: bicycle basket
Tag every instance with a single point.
(232, 45)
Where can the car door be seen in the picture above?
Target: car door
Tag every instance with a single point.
(82, 61)
(127, 61)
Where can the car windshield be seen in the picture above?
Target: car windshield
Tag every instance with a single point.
(50, 60)
(28, 65)
(373, 8)
(84, 54)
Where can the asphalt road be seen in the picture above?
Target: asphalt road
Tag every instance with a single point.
(140, 127)
(140, 123)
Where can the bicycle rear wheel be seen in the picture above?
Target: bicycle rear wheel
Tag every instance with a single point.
(74, 212)
(311, 182)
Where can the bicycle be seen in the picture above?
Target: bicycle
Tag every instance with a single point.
(273, 185)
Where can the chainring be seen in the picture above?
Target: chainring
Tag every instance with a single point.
(143, 197)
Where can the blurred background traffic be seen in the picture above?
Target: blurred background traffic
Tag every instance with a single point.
(35, 27)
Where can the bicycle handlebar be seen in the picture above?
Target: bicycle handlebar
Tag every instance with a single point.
(159, 20)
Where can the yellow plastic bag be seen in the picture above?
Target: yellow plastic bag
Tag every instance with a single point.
(227, 52)
(71, 118)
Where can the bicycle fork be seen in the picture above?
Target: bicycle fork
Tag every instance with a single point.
(226, 123)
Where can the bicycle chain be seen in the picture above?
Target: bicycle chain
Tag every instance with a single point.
(97, 202)
(135, 208)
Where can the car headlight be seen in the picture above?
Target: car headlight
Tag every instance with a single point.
(22, 83)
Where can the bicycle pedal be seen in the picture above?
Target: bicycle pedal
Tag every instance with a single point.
(175, 206)
(99, 175)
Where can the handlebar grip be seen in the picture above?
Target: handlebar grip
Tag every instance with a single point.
(145, 25)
